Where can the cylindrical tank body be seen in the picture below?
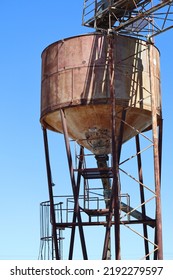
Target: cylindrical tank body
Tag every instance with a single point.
(75, 78)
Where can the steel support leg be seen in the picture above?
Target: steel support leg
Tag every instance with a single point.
(50, 184)
(142, 196)
(160, 165)
(73, 183)
(114, 201)
(156, 157)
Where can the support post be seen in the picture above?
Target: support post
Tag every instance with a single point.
(50, 185)
(142, 196)
(160, 165)
(76, 205)
(73, 183)
(114, 201)
(156, 156)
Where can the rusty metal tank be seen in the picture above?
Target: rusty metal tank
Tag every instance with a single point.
(75, 78)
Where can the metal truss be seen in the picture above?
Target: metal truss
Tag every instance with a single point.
(97, 207)
(145, 19)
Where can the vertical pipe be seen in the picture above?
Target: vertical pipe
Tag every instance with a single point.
(142, 196)
(114, 201)
(74, 188)
(115, 152)
(156, 156)
(111, 204)
(52, 210)
(115, 187)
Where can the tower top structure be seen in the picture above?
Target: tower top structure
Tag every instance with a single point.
(138, 18)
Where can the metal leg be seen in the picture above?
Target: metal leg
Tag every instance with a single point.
(50, 184)
(156, 160)
(114, 201)
(76, 206)
(160, 164)
(142, 197)
(74, 187)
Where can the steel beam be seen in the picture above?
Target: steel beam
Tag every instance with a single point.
(50, 185)
(160, 165)
(73, 183)
(142, 196)
(114, 201)
(143, 15)
(156, 158)
(150, 222)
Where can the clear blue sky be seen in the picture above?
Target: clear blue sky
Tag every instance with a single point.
(26, 28)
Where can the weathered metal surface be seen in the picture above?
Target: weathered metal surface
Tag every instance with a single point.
(75, 78)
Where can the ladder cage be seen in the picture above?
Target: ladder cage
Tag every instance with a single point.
(47, 250)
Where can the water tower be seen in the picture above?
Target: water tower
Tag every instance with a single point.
(102, 92)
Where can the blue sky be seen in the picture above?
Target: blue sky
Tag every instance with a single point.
(27, 27)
